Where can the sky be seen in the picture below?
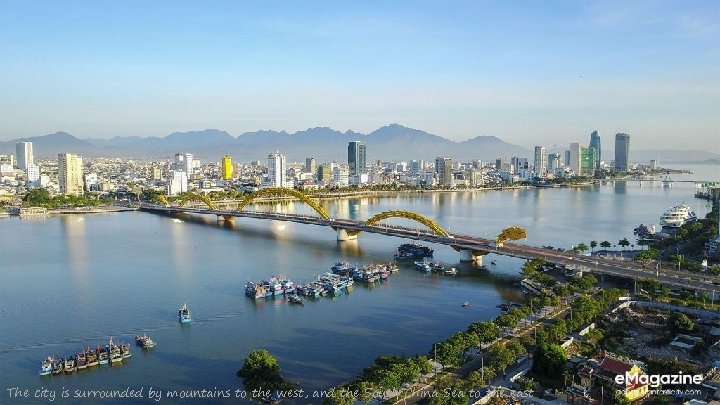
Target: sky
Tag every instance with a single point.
(528, 72)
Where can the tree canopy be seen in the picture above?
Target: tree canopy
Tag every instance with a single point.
(549, 360)
(261, 371)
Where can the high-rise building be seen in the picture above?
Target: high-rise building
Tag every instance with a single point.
(443, 170)
(595, 144)
(622, 152)
(587, 162)
(310, 165)
(553, 161)
(574, 158)
(184, 162)
(499, 162)
(566, 161)
(70, 174)
(540, 161)
(24, 153)
(519, 164)
(226, 167)
(341, 175)
(178, 182)
(357, 157)
(33, 176)
(276, 169)
(324, 173)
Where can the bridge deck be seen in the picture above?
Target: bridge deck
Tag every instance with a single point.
(480, 245)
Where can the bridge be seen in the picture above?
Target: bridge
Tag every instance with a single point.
(472, 248)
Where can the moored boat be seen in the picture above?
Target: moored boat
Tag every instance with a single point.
(81, 360)
(46, 366)
(70, 365)
(58, 366)
(91, 356)
(144, 341)
(125, 350)
(103, 356)
(296, 299)
(450, 272)
(677, 216)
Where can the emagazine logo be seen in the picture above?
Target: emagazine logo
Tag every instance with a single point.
(656, 380)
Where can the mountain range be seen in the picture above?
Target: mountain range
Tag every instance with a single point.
(391, 142)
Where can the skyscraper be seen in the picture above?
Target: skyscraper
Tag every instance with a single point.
(357, 157)
(310, 165)
(276, 169)
(540, 161)
(24, 152)
(227, 168)
(574, 158)
(184, 162)
(587, 162)
(595, 144)
(70, 174)
(443, 169)
(622, 152)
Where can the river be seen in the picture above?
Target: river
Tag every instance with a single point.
(75, 281)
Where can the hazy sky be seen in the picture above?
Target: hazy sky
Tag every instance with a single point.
(529, 72)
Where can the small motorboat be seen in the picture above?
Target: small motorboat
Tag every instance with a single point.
(450, 272)
(466, 304)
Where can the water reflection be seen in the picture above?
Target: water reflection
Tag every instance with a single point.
(77, 249)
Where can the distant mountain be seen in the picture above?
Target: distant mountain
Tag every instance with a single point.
(391, 142)
(52, 144)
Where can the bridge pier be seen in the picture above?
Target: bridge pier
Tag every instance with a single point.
(227, 218)
(475, 256)
(342, 235)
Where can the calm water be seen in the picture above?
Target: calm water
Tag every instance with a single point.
(70, 282)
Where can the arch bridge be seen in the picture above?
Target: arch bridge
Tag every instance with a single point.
(472, 247)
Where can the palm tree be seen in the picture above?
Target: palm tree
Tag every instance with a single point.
(624, 243)
(605, 244)
(593, 245)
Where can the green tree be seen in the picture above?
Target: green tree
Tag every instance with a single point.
(449, 391)
(486, 331)
(582, 247)
(549, 360)
(261, 371)
(624, 243)
(593, 244)
(605, 244)
(680, 323)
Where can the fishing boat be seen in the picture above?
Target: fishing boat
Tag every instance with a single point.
(257, 291)
(125, 350)
(81, 360)
(423, 266)
(70, 365)
(103, 356)
(184, 314)
(58, 366)
(91, 356)
(144, 341)
(114, 350)
(47, 365)
(296, 299)
(437, 266)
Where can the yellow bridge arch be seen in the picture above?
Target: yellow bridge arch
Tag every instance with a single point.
(197, 197)
(278, 191)
(414, 216)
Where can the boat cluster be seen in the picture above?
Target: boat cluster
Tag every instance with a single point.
(337, 282)
(366, 274)
(111, 353)
(412, 251)
(434, 266)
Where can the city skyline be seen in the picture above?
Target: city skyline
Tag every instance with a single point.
(520, 72)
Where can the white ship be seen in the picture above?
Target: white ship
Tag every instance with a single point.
(677, 216)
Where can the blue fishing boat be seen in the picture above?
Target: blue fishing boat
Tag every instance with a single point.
(184, 314)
